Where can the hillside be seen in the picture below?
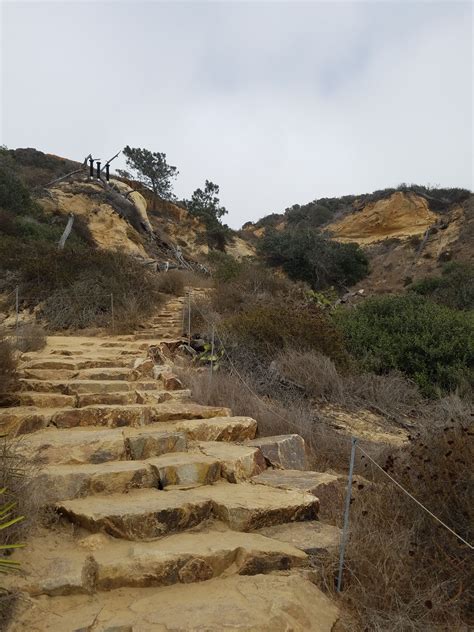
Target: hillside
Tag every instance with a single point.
(407, 234)
(118, 214)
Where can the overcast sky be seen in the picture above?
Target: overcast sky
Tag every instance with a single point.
(277, 102)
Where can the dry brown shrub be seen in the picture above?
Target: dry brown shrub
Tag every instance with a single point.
(326, 448)
(17, 477)
(171, 282)
(8, 366)
(404, 571)
(314, 372)
(31, 337)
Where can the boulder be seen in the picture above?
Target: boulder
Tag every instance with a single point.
(286, 451)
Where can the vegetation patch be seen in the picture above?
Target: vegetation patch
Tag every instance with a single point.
(430, 343)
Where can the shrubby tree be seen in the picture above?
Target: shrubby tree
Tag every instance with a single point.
(306, 255)
(151, 169)
(205, 204)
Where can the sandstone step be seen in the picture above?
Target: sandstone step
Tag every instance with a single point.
(317, 483)
(258, 603)
(58, 564)
(73, 446)
(112, 373)
(47, 374)
(147, 513)
(46, 400)
(237, 462)
(313, 537)
(145, 444)
(64, 482)
(75, 364)
(286, 451)
(111, 399)
(185, 469)
(219, 429)
(72, 387)
(135, 415)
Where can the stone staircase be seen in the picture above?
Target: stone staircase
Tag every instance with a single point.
(171, 515)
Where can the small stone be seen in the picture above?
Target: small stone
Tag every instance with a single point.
(286, 451)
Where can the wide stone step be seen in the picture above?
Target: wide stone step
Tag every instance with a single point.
(147, 513)
(95, 445)
(112, 373)
(64, 482)
(134, 415)
(45, 400)
(76, 364)
(258, 603)
(61, 565)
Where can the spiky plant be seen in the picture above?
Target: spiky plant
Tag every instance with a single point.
(7, 519)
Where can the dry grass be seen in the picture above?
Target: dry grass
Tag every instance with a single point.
(8, 366)
(16, 475)
(31, 337)
(325, 447)
(403, 570)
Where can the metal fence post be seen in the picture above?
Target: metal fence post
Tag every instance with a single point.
(112, 310)
(212, 349)
(189, 316)
(183, 330)
(17, 310)
(346, 515)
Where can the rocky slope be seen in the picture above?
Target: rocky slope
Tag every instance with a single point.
(117, 215)
(407, 234)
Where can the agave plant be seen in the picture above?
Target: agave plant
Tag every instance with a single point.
(7, 519)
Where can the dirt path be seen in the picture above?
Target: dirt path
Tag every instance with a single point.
(173, 516)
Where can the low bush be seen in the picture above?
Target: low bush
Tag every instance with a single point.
(430, 343)
(74, 286)
(454, 288)
(306, 255)
(171, 282)
(264, 331)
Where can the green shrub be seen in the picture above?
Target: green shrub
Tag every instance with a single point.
(307, 256)
(428, 342)
(454, 288)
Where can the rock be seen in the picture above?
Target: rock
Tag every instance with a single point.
(313, 537)
(219, 429)
(245, 507)
(185, 468)
(260, 603)
(286, 451)
(110, 399)
(46, 400)
(73, 446)
(110, 416)
(143, 445)
(315, 483)
(171, 382)
(238, 462)
(142, 368)
(148, 513)
(63, 482)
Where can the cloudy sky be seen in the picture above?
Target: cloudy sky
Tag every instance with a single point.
(277, 102)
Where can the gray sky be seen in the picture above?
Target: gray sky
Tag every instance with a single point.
(277, 102)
